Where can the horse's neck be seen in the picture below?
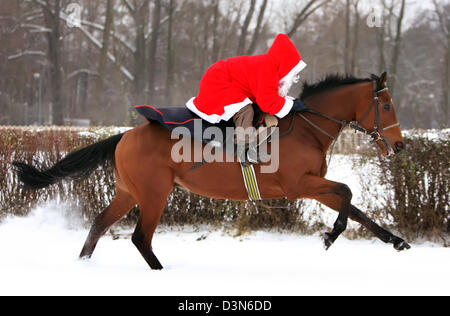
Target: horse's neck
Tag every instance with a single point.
(339, 104)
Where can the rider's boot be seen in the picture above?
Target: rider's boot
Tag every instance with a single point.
(262, 134)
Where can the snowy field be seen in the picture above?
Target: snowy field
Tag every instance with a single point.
(39, 257)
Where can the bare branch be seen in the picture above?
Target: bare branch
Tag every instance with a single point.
(305, 13)
(27, 53)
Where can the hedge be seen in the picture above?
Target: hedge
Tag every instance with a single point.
(414, 200)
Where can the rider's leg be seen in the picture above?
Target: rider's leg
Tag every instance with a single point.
(242, 121)
(262, 134)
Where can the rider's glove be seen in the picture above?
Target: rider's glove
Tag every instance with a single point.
(299, 106)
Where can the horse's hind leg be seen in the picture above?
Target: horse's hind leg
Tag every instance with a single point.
(151, 205)
(145, 228)
(122, 203)
(142, 239)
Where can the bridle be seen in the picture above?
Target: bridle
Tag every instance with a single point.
(377, 128)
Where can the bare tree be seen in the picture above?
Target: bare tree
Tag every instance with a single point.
(128, 51)
(215, 39)
(443, 13)
(347, 37)
(396, 50)
(311, 7)
(354, 56)
(51, 13)
(257, 31)
(244, 28)
(170, 54)
(139, 11)
(104, 51)
(156, 21)
(381, 33)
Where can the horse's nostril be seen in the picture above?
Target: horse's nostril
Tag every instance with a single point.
(399, 145)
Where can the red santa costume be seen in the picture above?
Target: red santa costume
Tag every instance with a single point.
(229, 85)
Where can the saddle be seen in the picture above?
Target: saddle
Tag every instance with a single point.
(194, 126)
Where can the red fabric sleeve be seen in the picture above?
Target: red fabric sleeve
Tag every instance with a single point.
(267, 88)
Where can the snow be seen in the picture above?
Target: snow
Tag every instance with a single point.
(430, 134)
(40, 257)
(104, 131)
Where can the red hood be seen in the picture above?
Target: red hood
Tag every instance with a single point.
(288, 59)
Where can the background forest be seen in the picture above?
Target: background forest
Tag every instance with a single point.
(75, 62)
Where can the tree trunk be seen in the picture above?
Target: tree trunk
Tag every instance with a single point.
(446, 85)
(141, 20)
(103, 52)
(156, 21)
(244, 28)
(381, 59)
(54, 56)
(354, 58)
(396, 52)
(215, 47)
(170, 59)
(347, 38)
(257, 31)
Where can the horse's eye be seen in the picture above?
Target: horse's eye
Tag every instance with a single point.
(387, 107)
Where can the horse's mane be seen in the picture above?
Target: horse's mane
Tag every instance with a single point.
(332, 81)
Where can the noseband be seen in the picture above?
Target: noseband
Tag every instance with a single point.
(377, 129)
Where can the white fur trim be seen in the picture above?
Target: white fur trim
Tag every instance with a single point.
(294, 71)
(288, 104)
(230, 110)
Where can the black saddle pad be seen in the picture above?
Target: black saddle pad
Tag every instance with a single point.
(174, 117)
(192, 125)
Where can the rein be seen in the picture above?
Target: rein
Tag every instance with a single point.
(377, 129)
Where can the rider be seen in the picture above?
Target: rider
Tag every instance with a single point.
(230, 87)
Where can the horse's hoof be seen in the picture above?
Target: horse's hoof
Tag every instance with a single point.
(84, 257)
(402, 245)
(327, 241)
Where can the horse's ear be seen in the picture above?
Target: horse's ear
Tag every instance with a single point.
(382, 81)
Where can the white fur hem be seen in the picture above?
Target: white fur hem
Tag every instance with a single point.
(230, 110)
(294, 71)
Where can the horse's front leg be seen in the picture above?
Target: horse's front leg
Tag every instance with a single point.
(336, 195)
(344, 194)
(314, 189)
(383, 234)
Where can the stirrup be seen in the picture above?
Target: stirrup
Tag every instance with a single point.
(242, 157)
(253, 154)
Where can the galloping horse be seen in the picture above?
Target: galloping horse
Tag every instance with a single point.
(145, 173)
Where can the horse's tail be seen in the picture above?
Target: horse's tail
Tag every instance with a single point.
(76, 165)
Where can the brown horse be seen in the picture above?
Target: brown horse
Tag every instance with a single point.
(145, 173)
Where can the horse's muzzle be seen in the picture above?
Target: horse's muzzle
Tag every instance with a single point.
(399, 146)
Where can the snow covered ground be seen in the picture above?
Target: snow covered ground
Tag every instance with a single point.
(39, 257)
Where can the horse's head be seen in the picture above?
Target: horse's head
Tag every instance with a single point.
(379, 119)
